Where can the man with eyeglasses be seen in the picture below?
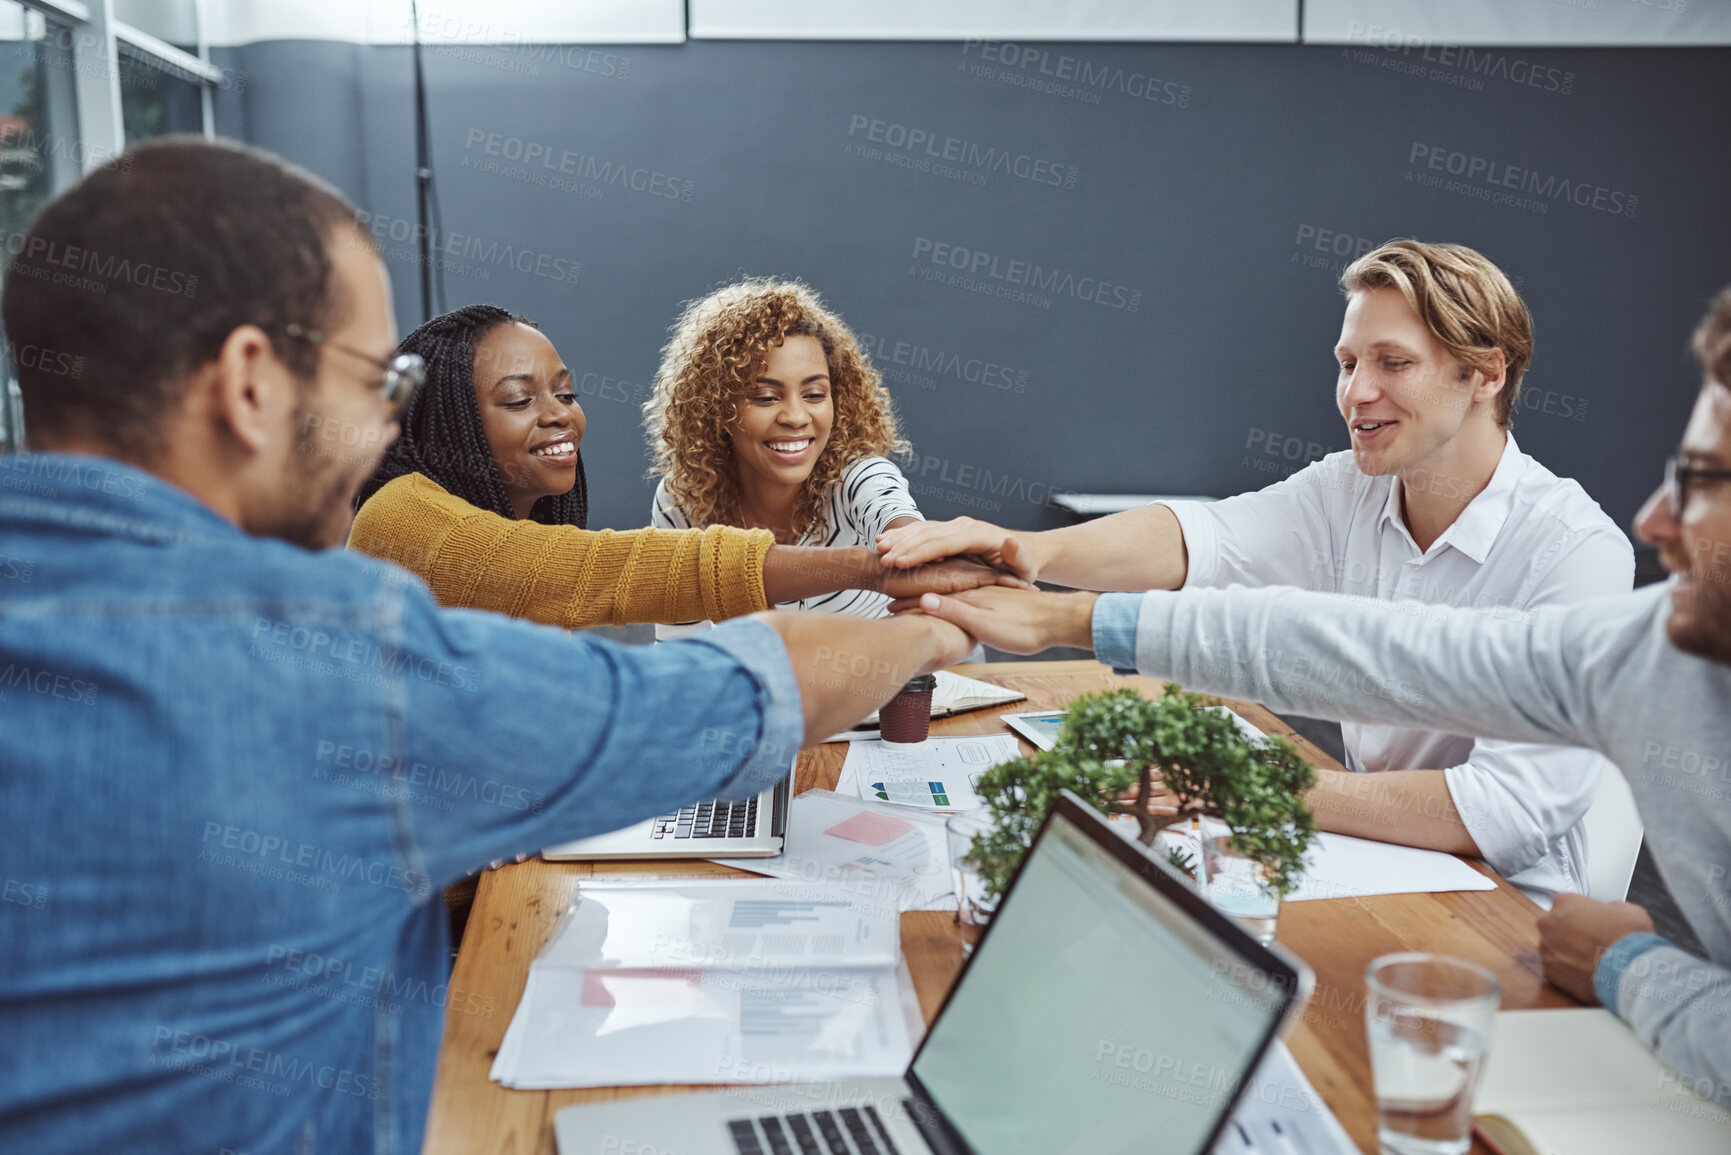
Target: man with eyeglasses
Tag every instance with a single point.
(237, 767)
(1644, 678)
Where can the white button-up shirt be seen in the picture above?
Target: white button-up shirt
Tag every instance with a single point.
(1530, 538)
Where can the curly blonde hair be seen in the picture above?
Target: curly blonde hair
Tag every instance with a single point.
(718, 346)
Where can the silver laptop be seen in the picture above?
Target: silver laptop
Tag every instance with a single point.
(1107, 1009)
(751, 828)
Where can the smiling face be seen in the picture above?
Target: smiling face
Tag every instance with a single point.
(1695, 544)
(783, 420)
(529, 413)
(1405, 397)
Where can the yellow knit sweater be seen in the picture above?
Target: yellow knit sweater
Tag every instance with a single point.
(558, 574)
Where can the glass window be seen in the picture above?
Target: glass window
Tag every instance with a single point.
(154, 102)
(39, 147)
(172, 21)
(40, 152)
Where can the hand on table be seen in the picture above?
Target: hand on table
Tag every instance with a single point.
(1576, 934)
(1015, 621)
(922, 542)
(945, 577)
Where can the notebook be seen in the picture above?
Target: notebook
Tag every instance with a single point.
(1578, 1082)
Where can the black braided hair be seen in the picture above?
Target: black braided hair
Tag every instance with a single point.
(442, 437)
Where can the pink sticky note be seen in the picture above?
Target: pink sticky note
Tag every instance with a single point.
(871, 829)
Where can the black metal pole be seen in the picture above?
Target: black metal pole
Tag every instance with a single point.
(423, 170)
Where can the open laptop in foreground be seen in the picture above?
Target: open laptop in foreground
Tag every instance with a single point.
(751, 828)
(1107, 1009)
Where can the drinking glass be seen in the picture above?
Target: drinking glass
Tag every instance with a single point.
(973, 908)
(1235, 886)
(1429, 1018)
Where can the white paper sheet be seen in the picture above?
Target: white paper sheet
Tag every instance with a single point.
(883, 857)
(714, 981)
(1281, 1114)
(578, 1027)
(1345, 867)
(720, 923)
(937, 774)
(1341, 866)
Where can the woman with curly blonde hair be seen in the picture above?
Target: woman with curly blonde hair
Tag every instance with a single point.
(767, 414)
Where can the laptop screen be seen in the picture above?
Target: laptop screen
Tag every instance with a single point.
(1098, 1017)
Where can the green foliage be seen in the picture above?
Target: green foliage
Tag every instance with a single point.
(1117, 750)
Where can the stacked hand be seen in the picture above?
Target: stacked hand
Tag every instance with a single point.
(924, 542)
(951, 575)
(1017, 621)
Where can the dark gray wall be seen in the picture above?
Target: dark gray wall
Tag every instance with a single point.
(1215, 191)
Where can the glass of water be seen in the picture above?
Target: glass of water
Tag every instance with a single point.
(1429, 1019)
(1237, 886)
(973, 908)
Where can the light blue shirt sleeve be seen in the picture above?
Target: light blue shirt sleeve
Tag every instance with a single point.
(1115, 618)
(1608, 975)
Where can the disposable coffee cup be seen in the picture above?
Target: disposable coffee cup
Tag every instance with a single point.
(907, 718)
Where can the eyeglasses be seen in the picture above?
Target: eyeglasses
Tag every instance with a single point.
(1678, 479)
(404, 373)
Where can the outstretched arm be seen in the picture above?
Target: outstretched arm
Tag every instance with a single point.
(1139, 549)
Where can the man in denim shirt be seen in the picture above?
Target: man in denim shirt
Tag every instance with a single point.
(236, 772)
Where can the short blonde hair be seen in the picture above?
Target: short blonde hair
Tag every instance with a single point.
(1712, 343)
(718, 346)
(1465, 301)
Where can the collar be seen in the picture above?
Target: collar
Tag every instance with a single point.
(103, 496)
(1476, 529)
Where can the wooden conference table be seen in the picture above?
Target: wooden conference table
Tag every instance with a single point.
(517, 905)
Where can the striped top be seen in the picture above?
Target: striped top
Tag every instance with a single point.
(870, 495)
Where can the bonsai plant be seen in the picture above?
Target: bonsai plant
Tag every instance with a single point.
(1116, 742)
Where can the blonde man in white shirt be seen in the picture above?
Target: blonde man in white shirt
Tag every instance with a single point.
(1434, 504)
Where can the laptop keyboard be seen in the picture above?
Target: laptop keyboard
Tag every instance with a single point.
(813, 1133)
(710, 819)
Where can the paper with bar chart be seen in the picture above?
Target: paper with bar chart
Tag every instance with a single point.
(712, 981)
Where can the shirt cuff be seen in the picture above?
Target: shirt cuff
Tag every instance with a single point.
(760, 650)
(1608, 975)
(1115, 617)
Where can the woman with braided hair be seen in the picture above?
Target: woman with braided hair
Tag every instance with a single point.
(483, 495)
